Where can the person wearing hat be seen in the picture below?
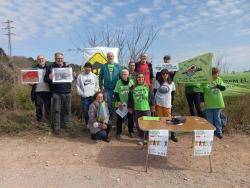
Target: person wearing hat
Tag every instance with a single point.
(87, 85)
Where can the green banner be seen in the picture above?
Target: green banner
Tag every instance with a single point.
(195, 70)
(236, 83)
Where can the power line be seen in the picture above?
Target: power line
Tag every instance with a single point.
(9, 34)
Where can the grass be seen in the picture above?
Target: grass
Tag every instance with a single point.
(17, 109)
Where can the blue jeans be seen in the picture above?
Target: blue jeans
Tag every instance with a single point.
(86, 101)
(109, 96)
(103, 134)
(213, 116)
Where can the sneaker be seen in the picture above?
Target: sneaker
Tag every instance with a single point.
(218, 135)
(140, 142)
(107, 140)
(174, 139)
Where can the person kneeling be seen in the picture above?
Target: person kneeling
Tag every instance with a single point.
(99, 123)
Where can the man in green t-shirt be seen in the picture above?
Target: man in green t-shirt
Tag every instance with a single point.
(214, 102)
(109, 75)
(122, 89)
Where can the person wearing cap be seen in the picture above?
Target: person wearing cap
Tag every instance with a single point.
(87, 85)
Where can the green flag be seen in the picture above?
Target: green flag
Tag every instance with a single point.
(195, 70)
(236, 83)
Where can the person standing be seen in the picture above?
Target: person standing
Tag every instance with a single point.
(163, 97)
(132, 73)
(41, 92)
(87, 85)
(214, 102)
(141, 100)
(61, 96)
(122, 89)
(109, 75)
(193, 92)
(144, 67)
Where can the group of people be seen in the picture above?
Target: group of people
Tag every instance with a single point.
(133, 88)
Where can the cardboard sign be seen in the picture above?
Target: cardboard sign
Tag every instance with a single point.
(203, 142)
(158, 142)
(30, 76)
(62, 75)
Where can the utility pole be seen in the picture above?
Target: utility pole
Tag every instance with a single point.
(9, 34)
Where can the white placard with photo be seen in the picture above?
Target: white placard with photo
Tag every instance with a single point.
(203, 142)
(168, 66)
(158, 142)
(62, 75)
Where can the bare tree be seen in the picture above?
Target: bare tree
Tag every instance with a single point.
(220, 62)
(131, 41)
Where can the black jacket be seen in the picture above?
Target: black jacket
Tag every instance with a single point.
(57, 87)
(150, 70)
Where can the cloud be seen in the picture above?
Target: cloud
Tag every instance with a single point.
(50, 18)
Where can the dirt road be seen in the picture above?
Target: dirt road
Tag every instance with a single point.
(48, 161)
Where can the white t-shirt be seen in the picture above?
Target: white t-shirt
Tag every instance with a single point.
(163, 94)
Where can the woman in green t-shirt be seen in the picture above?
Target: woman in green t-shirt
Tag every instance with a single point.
(141, 99)
(122, 89)
(213, 101)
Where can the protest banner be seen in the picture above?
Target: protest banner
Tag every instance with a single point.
(195, 70)
(236, 83)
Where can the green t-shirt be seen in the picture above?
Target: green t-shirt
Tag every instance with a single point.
(140, 97)
(212, 95)
(123, 91)
(191, 88)
(111, 69)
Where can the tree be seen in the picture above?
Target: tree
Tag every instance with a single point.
(220, 62)
(132, 41)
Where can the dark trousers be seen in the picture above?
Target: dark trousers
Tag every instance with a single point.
(42, 100)
(139, 114)
(86, 101)
(121, 120)
(61, 109)
(193, 100)
(103, 134)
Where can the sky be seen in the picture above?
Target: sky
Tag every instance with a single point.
(187, 27)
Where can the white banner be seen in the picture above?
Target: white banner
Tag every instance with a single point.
(203, 142)
(169, 66)
(158, 142)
